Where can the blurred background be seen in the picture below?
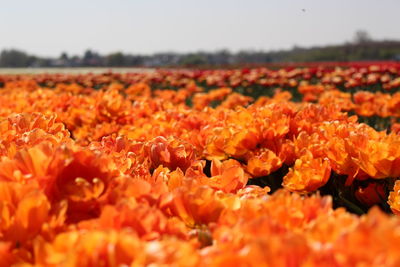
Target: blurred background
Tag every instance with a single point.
(182, 33)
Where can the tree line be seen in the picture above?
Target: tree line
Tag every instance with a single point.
(362, 49)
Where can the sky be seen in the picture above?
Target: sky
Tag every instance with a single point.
(50, 27)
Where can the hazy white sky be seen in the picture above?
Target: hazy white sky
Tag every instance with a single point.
(48, 27)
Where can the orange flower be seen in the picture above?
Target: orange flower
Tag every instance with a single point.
(310, 92)
(200, 205)
(234, 100)
(81, 177)
(202, 100)
(308, 174)
(23, 211)
(90, 248)
(215, 144)
(227, 176)
(7, 258)
(170, 153)
(264, 163)
(112, 105)
(336, 97)
(27, 164)
(138, 89)
(364, 101)
(26, 130)
(241, 142)
(149, 223)
(394, 198)
(378, 158)
(375, 231)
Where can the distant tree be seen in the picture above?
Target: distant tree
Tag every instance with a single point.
(64, 56)
(88, 55)
(362, 37)
(222, 56)
(193, 60)
(116, 60)
(14, 58)
(91, 58)
(133, 60)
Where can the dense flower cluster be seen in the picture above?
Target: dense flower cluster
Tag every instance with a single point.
(376, 75)
(130, 175)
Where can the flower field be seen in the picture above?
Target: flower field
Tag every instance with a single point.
(296, 166)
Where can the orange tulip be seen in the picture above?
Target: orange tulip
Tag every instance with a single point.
(24, 210)
(169, 153)
(308, 174)
(263, 164)
(394, 198)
